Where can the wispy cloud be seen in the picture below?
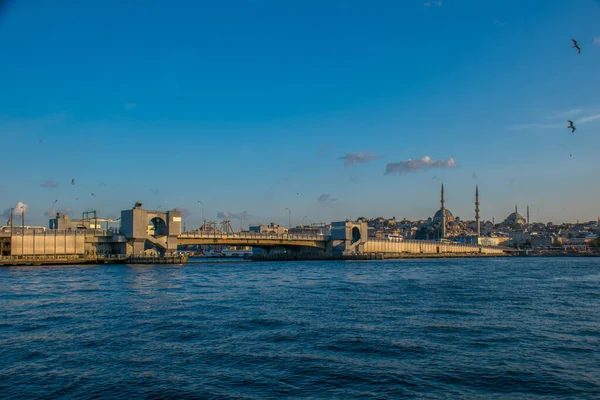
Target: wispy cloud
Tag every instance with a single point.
(597, 40)
(326, 197)
(578, 115)
(228, 215)
(129, 106)
(62, 210)
(435, 2)
(50, 184)
(324, 150)
(185, 212)
(359, 158)
(499, 23)
(154, 191)
(588, 119)
(416, 165)
(323, 198)
(533, 126)
(567, 114)
(19, 209)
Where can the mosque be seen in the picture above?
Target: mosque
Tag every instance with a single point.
(449, 225)
(516, 219)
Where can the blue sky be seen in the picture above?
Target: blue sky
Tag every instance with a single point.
(249, 105)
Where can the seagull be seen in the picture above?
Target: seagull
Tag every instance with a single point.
(571, 126)
(73, 181)
(576, 46)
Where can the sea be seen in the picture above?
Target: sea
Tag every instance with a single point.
(505, 328)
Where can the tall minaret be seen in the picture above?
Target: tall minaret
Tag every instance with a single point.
(527, 214)
(516, 211)
(477, 210)
(443, 227)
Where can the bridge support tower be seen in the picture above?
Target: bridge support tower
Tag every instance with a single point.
(147, 230)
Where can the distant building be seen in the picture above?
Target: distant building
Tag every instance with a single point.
(541, 242)
(271, 228)
(315, 229)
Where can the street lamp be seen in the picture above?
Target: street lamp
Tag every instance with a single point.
(95, 214)
(303, 219)
(289, 218)
(242, 215)
(202, 214)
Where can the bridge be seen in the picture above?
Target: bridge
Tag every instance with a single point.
(260, 240)
(144, 232)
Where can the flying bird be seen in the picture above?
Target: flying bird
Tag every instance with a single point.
(576, 46)
(72, 181)
(571, 126)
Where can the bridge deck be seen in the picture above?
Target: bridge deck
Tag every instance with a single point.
(253, 239)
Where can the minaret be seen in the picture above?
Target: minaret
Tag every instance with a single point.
(527, 214)
(443, 227)
(516, 212)
(477, 210)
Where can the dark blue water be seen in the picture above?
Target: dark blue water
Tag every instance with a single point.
(502, 328)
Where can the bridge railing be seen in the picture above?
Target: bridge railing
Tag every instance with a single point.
(251, 235)
(429, 242)
(58, 232)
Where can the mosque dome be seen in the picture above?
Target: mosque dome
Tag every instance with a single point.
(515, 218)
(438, 216)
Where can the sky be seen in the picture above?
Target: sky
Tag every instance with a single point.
(332, 109)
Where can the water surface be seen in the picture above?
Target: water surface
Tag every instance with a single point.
(474, 328)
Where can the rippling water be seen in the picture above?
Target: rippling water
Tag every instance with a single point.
(493, 328)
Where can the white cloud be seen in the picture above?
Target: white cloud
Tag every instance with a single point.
(426, 162)
(435, 2)
(19, 209)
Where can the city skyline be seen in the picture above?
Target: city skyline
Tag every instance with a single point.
(334, 111)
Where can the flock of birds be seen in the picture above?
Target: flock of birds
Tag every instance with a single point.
(571, 126)
(575, 46)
